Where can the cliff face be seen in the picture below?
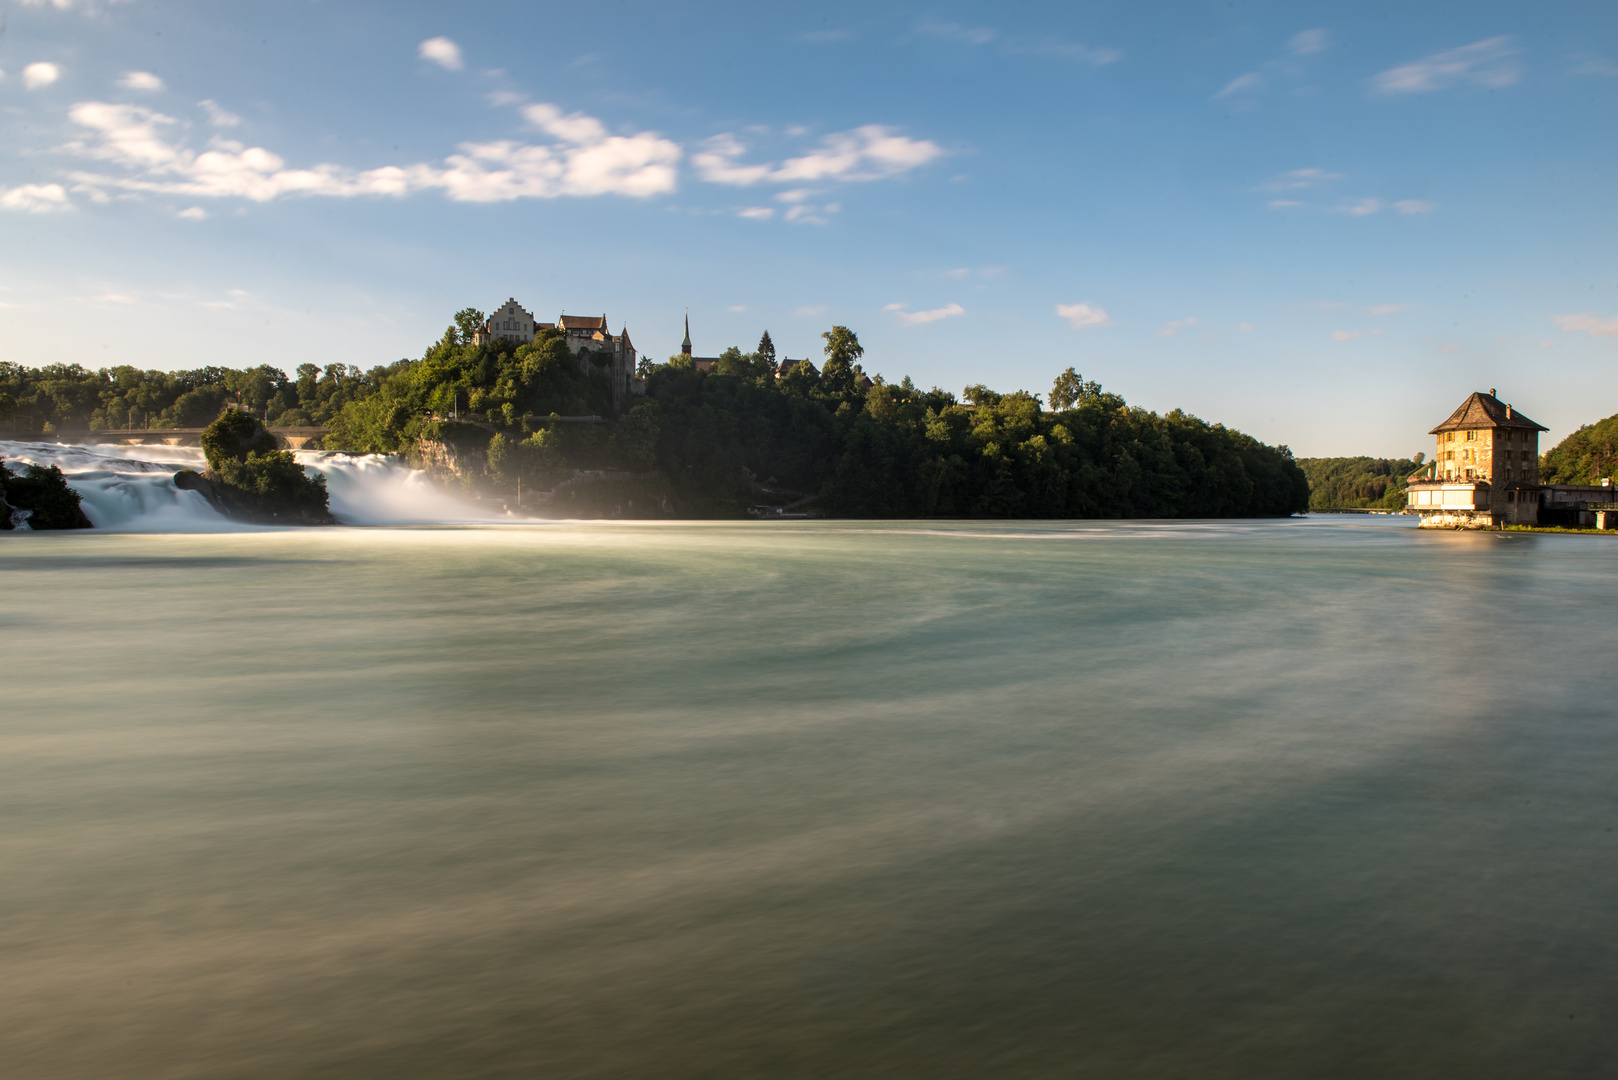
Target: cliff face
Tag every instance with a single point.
(449, 461)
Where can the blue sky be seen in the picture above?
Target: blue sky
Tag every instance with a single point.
(1322, 224)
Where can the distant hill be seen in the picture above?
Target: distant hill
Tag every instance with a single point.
(1356, 483)
(1584, 457)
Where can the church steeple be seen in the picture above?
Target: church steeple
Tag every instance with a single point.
(685, 346)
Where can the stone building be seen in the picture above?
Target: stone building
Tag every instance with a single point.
(1485, 474)
(511, 322)
(598, 348)
(586, 336)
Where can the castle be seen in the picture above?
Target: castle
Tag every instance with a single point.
(586, 336)
(1485, 474)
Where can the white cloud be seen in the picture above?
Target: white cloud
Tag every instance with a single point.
(1483, 63)
(1299, 180)
(193, 213)
(1415, 206)
(584, 161)
(871, 152)
(35, 199)
(737, 309)
(1282, 204)
(810, 214)
(1359, 207)
(921, 318)
(795, 195)
(443, 52)
(1244, 327)
(1388, 309)
(218, 117)
(506, 97)
(1251, 81)
(1593, 325)
(1081, 316)
(1451, 347)
(143, 81)
(1547, 343)
(1306, 42)
(39, 74)
(809, 312)
(1596, 65)
(1018, 45)
(757, 213)
(1172, 329)
(1346, 335)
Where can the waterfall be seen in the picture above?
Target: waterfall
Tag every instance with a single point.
(131, 488)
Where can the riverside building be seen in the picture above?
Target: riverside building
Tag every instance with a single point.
(1485, 474)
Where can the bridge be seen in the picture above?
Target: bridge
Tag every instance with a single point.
(294, 438)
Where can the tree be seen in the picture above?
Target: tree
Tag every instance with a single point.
(1070, 388)
(842, 350)
(468, 321)
(766, 348)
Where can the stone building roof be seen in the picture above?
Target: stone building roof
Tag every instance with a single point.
(1485, 411)
(584, 322)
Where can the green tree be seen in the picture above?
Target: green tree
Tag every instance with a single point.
(842, 350)
(1070, 389)
(766, 348)
(468, 321)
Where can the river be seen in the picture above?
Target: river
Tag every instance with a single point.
(1326, 797)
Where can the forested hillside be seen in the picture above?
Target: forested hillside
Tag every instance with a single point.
(722, 440)
(1348, 483)
(1584, 457)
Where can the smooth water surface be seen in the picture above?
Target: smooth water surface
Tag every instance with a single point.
(1320, 798)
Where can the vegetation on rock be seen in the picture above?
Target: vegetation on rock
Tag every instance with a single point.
(42, 495)
(263, 483)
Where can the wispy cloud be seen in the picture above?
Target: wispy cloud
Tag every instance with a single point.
(1598, 66)
(35, 199)
(1594, 325)
(1415, 206)
(871, 152)
(1350, 335)
(1359, 207)
(143, 81)
(1308, 42)
(824, 37)
(582, 161)
(40, 74)
(1019, 44)
(921, 318)
(1243, 90)
(756, 213)
(218, 117)
(1242, 83)
(443, 52)
(1083, 316)
(809, 311)
(193, 213)
(1487, 63)
(1299, 180)
(1172, 329)
(1388, 309)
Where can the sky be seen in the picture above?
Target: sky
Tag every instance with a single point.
(1324, 225)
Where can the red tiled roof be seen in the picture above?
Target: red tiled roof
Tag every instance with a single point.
(584, 322)
(1485, 411)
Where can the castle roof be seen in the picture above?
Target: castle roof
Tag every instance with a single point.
(1486, 411)
(584, 322)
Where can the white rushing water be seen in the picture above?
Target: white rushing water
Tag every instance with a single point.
(131, 488)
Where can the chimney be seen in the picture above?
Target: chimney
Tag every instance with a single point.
(1508, 412)
(1491, 391)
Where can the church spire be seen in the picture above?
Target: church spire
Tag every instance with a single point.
(685, 346)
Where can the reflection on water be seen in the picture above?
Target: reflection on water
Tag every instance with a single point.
(1318, 798)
